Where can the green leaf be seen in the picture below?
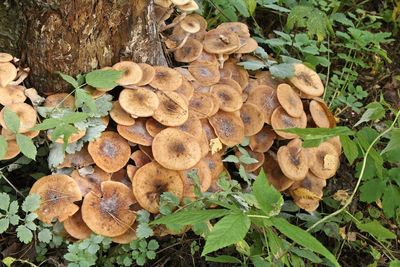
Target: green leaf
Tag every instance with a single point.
(315, 136)
(4, 201)
(69, 79)
(247, 159)
(82, 97)
(282, 71)
(12, 120)
(302, 238)
(168, 201)
(103, 78)
(227, 231)
(350, 148)
(375, 111)
(391, 200)
(268, 198)
(144, 231)
(241, 7)
(151, 255)
(223, 259)
(231, 158)
(74, 117)
(307, 254)
(3, 146)
(8, 261)
(394, 142)
(377, 230)
(64, 131)
(26, 145)
(24, 234)
(251, 6)
(56, 155)
(47, 124)
(252, 65)
(31, 203)
(372, 190)
(4, 224)
(153, 245)
(142, 216)
(188, 217)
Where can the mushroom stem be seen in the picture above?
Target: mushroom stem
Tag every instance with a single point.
(224, 39)
(181, 44)
(176, 21)
(22, 76)
(33, 95)
(221, 60)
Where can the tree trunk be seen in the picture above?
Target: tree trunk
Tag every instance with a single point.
(76, 36)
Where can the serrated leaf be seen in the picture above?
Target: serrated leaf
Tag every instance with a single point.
(93, 132)
(74, 117)
(372, 190)
(26, 146)
(282, 71)
(227, 231)
(153, 245)
(4, 201)
(103, 78)
(350, 148)
(3, 147)
(377, 230)
(63, 131)
(14, 207)
(394, 142)
(69, 79)
(24, 234)
(144, 231)
(31, 203)
(375, 111)
(14, 219)
(151, 255)
(252, 65)
(11, 120)
(103, 106)
(4, 224)
(142, 216)
(268, 198)
(47, 124)
(188, 217)
(82, 97)
(231, 158)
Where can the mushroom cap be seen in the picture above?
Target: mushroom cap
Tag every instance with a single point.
(321, 114)
(166, 79)
(189, 52)
(173, 109)
(274, 173)
(8, 135)
(94, 92)
(12, 150)
(5, 57)
(204, 144)
(215, 165)
(57, 192)
(132, 72)
(153, 127)
(147, 150)
(91, 181)
(229, 99)
(204, 175)
(148, 74)
(180, 2)
(120, 116)
(208, 129)
(255, 155)
(190, 24)
(293, 160)
(206, 74)
(239, 28)
(151, 180)
(247, 45)
(8, 72)
(26, 113)
(263, 140)
(126, 237)
(185, 73)
(136, 133)
(265, 77)
(191, 6)
(163, 3)
(175, 149)
(307, 80)
(131, 170)
(228, 127)
(110, 151)
(266, 99)
(12, 94)
(186, 89)
(281, 120)
(238, 73)
(206, 59)
(232, 83)
(216, 105)
(77, 160)
(121, 176)
(71, 139)
(252, 118)
(220, 41)
(110, 214)
(201, 105)
(192, 126)
(62, 100)
(335, 141)
(76, 227)
(139, 102)
(140, 158)
(289, 100)
(326, 161)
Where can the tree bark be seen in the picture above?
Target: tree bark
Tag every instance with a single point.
(77, 36)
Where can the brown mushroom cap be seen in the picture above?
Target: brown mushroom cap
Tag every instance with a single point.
(12, 150)
(140, 158)
(61, 100)
(57, 192)
(238, 73)
(190, 24)
(71, 139)
(5, 57)
(326, 161)
(153, 127)
(190, 51)
(215, 165)
(8, 135)
(220, 41)
(180, 2)
(120, 116)
(147, 150)
(91, 181)
(12, 94)
(95, 93)
(255, 155)
(8, 72)
(76, 227)
(208, 129)
(110, 151)
(110, 214)
(163, 3)
(229, 99)
(266, 99)
(321, 115)
(205, 73)
(136, 133)
(274, 173)
(281, 120)
(139, 102)
(201, 105)
(247, 45)
(203, 173)
(131, 170)
(191, 6)
(151, 180)
(239, 28)
(192, 126)
(232, 83)
(186, 89)
(307, 80)
(289, 100)
(121, 176)
(26, 113)
(263, 140)
(126, 237)
(77, 160)
(335, 141)
(228, 127)
(252, 118)
(185, 73)
(173, 109)
(166, 79)
(132, 72)
(175, 149)
(293, 160)
(148, 74)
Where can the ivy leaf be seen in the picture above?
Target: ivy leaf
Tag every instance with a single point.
(12, 120)
(31, 203)
(69, 79)
(377, 230)
(350, 148)
(394, 142)
(26, 145)
(4, 201)
(268, 198)
(103, 78)
(282, 71)
(188, 217)
(24, 234)
(3, 147)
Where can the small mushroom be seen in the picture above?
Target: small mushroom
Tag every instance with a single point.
(148, 74)
(239, 28)
(293, 160)
(12, 94)
(289, 100)
(206, 74)
(26, 114)
(120, 116)
(201, 105)
(136, 133)
(5, 57)
(274, 173)
(220, 41)
(307, 80)
(321, 114)
(166, 79)
(326, 161)
(132, 72)
(189, 52)
(90, 182)
(263, 140)
(189, 7)
(252, 118)
(34, 97)
(153, 127)
(140, 158)
(186, 89)
(76, 227)
(281, 120)
(266, 99)
(8, 72)
(173, 109)
(229, 99)
(139, 102)
(247, 45)
(228, 127)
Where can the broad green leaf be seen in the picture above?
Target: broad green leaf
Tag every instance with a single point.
(394, 142)
(372, 190)
(231, 158)
(75, 117)
(82, 97)
(103, 78)
(144, 231)
(31, 203)
(3, 147)
(252, 65)
(47, 124)
(24, 234)
(227, 231)
(307, 254)
(377, 230)
(375, 111)
(4, 201)
(241, 7)
(282, 71)
(11, 119)
(268, 198)
(223, 259)
(251, 6)
(395, 263)
(26, 146)
(315, 136)
(4, 224)
(391, 200)
(258, 261)
(69, 79)
(350, 148)
(187, 217)
(302, 238)
(277, 8)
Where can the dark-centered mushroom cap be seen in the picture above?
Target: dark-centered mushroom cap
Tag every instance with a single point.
(293, 160)
(289, 100)
(166, 79)
(252, 117)
(220, 41)
(77, 160)
(12, 94)
(120, 116)
(139, 102)
(274, 173)
(8, 72)
(206, 74)
(307, 80)
(228, 127)
(201, 105)
(193, 127)
(247, 45)
(266, 99)
(239, 28)
(76, 227)
(190, 25)
(132, 72)
(190, 51)
(229, 99)
(136, 133)
(90, 181)
(326, 161)
(173, 109)
(321, 114)
(263, 140)
(26, 114)
(215, 164)
(281, 120)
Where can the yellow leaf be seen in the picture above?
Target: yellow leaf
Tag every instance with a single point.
(305, 193)
(215, 145)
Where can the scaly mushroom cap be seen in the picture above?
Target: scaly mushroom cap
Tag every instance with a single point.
(202, 172)
(239, 28)
(8, 72)
(26, 113)
(61, 100)
(215, 165)
(77, 160)
(166, 79)
(326, 161)
(255, 155)
(252, 118)
(220, 41)
(90, 181)
(232, 83)
(173, 109)
(57, 192)
(192, 126)
(139, 102)
(247, 45)
(109, 214)
(228, 127)
(126, 237)
(229, 99)
(186, 89)
(289, 100)
(263, 140)
(190, 51)
(266, 99)
(148, 74)
(175, 149)
(136, 133)
(140, 158)
(293, 160)
(189, 7)
(12, 94)
(201, 105)
(274, 173)
(120, 116)
(12, 150)
(206, 74)
(321, 115)
(307, 80)
(153, 127)
(110, 151)
(5, 57)
(76, 227)
(132, 72)
(281, 120)
(152, 180)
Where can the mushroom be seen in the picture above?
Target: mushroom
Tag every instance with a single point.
(26, 114)
(95, 93)
(12, 94)
(132, 72)
(153, 127)
(90, 181)
(293, 160)
(335, 141)
(186, 89)
(247, 45)
(216, 105)
(140, 102)
(252, 118)
(228, 127)
(130, 171)
(151, 181)
(189, 7)
(263, 140)
(266, 99)
(274, 173)
(289, 100)
(232, 83)
(215, 165)
(281, 120)
(208, 129)
(22, 74)
(61, 100)
(166, 79)
(57, 192)
(110, 151)
(189, 52)
(136, 133)
(307, 80)
(229, 99)
(120, 116)
(321, 114)
(239, 28)
(5, 57)
(148, 74)
(237, 73)
(71, 139)
(220, 41)
(178, 31)
(189, 25)
(163, 3)
(206, 73)
(122, 176)
(34, 97)
(140, 158)
(147, 150)
(8, 72)
(192, 126)
(326, 161)
(77, 160)
(201, 105)
(76, 227)
(12, 150)
(8, 135)
(109, 214)
(203, 173)
(173, 109)
(175, 149)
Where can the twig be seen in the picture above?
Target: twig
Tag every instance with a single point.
(8, 181)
